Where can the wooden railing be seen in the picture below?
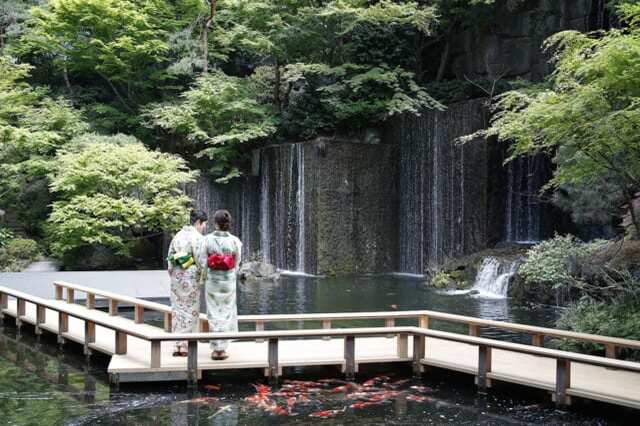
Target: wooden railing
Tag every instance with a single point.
(422, 318)
(418, 334)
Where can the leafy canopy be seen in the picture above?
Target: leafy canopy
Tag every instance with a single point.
(112, 191)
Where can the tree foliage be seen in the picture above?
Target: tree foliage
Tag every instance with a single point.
(111, 193)
(587, 115)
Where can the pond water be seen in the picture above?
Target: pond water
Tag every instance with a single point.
(42, 385)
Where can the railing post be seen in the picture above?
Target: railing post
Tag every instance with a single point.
(192, 362)
(71, 295)
(350, 357)
(390, 322)
(41, 318)
(423, 321)
(89, 335)
(402, 345)
(21, 308)
(63, 323)
(58, 288)
(156, 353)
(563, 382)
(537, 339)
(4, 303)
(121, 342)
(272, 357)
(138, 314)
(113, 307)
(326, 325)
(474, 330)
(484, 367)
(204, 326)
(91, 301)
(259, 327)
(167, 322)
(611, 350)
(418, 354)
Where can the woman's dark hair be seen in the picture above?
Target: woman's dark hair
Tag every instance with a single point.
(222, 218)
(198, 215)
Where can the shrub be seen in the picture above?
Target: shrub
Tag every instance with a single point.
(17, 253)
(617, 318)
(6, 235)
(558, 261)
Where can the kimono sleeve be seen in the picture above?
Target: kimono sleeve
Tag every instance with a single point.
(238, 252)
(170, 254)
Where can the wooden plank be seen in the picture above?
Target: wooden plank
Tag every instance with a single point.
(4, 301)
(484, 367)
(272, 358)
(113, 307)
(418, 353)
(156, 354)
(192, 362)
(90, 303)
(537, 339)
(41, 318)
(167, 322)
(350, 357)
(563, 381)
(121, 342)
(58, 292)
(139, 314)
(402, 345)
(204, 326)
(71, 295)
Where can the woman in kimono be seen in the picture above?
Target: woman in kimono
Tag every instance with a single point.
(221, 255)
(186, 278)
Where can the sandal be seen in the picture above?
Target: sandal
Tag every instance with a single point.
(219, 355)
(180, 352)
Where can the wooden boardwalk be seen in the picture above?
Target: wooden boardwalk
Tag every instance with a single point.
(142, 352)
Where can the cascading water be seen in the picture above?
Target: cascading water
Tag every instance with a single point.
(282, 212)
(523, 214)
(493, 277)
(443, 191)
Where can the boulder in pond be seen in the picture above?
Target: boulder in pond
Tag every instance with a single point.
(258, 271)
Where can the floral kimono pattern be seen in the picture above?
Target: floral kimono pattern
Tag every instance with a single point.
(185, 284)
(220, 286)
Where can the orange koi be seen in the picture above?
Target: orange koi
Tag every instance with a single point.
(262, 389)
(417, 398)
(202, 400)
(212, 388)
(361, 405)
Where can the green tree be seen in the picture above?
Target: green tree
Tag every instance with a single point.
(33, 127)
(112, 191)
(212, 120)
(587, 115)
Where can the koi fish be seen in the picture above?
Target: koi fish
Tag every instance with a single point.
(257, 398)
(212, 388)
(417, 398)
(284, 394)
(399, 382)
(202, 400)
(277, 410)
(361, 405)
(291, 402)
(304, 383)
(383, 396)
(375, 380)
(328, 413)
(303, 399)
(262, 389)
(344, 388)
(423, 389)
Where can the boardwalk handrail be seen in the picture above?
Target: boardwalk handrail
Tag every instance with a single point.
(562, 393)
(423, 316)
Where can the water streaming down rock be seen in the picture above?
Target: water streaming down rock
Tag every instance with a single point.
(240, 197)
(494, 276)
(444, 187)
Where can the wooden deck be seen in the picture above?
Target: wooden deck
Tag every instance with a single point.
(142, 352)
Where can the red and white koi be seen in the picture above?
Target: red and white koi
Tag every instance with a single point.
(328, 413)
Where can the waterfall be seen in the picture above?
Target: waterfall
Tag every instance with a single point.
(524, 211)
(494, 276)
(265, 213)
(443, 189)
(300, 199)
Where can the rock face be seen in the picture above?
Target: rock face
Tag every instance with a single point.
(510, 46)
(254, 271)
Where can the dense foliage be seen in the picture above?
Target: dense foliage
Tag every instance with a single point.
(112, 193)
(586, 116)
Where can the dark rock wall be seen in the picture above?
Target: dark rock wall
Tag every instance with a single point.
(510, 46)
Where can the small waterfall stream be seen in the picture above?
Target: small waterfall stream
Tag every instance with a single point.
(493, 277)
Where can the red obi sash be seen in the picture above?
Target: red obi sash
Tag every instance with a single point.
(221, 262)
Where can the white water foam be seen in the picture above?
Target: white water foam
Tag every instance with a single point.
(493, 278)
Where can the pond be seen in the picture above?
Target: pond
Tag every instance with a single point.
(40, 384)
